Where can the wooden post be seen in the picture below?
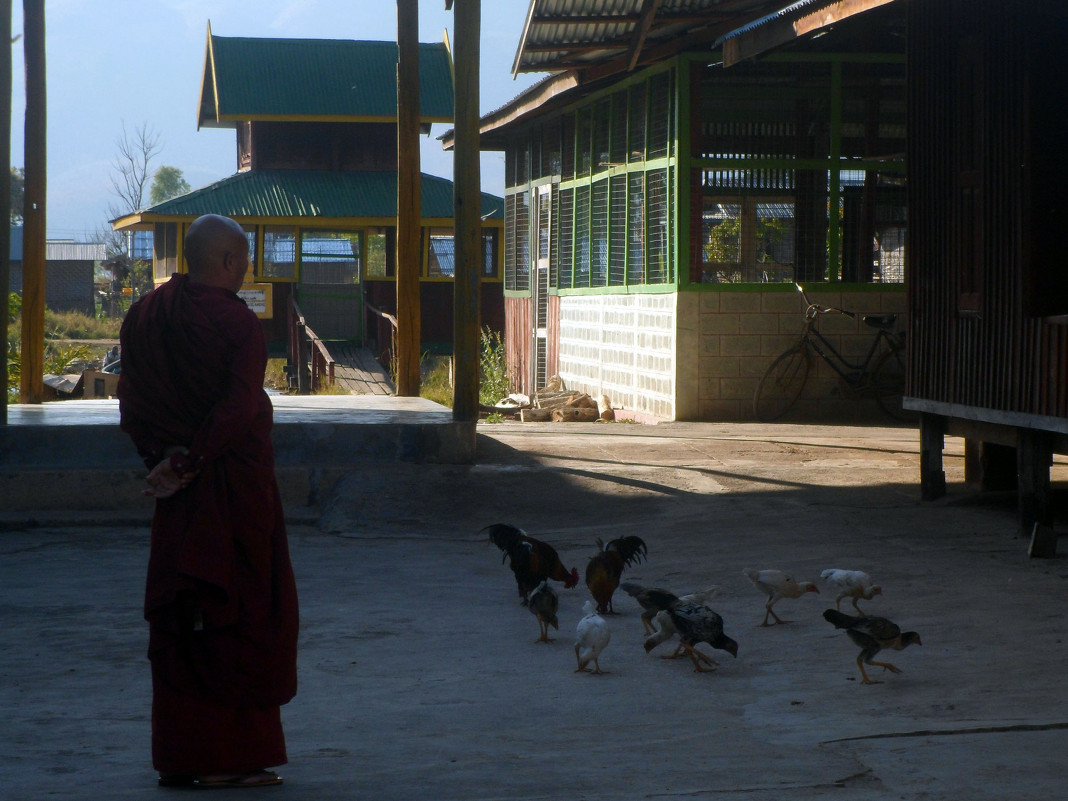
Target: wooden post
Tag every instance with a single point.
(33, 232)
(932, 442)
(409, 208)
(1033, 457)
(5, 197)
(467, 210)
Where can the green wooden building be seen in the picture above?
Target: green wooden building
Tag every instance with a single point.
(315, 186)
(662, 196)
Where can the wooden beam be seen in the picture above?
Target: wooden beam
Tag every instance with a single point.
(467, 205)
(645, 21)
(778, 32)
(31, 385)
(409, 208)
(5, 197)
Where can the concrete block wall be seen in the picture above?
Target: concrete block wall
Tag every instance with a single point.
(622, 346)
(738, 334)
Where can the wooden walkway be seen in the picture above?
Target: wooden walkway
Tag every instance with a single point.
(357, 370)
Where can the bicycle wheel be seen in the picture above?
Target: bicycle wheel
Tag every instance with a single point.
(888, 385)
(781, 385)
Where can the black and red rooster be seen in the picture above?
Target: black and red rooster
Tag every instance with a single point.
(532, 561)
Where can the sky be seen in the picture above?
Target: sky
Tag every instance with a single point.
(115, 62)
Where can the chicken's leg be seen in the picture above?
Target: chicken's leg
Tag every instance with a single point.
(771, 612)
(886, 666)
(859, 610)
(860, 664)
(697, 657)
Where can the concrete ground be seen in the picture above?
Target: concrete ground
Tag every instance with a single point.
(420, 677)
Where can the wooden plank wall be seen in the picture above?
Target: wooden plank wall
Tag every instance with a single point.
(971, 341)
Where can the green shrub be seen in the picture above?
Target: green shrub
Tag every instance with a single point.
(494, 381)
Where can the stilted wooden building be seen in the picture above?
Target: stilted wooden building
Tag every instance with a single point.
(316, 187)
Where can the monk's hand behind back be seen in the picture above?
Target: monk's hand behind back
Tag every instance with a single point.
(164, 481)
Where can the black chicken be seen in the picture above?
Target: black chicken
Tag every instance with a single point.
(872, 634)
(605, 568)
(695, 622)
(532, 561)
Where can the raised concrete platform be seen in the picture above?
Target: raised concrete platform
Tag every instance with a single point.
(70, 453)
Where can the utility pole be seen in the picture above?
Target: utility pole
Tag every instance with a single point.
(467, 210)
(5, 197)
(31, 385)
(409, 207)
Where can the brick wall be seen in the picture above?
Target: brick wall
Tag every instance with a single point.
(622, 346)
(738, 334)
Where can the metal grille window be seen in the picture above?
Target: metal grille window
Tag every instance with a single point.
(376, 255)
(280, 252)
(658, 249)
(550, 149)
(619, 128)
(617, 231)
(636, 229)
(660, 114)
(554, 252)
(583, 141)
(565, 225)
(602, 128)
(567, 147)
(490, 239)
(582, 236)
(599, 234)
(509, 241)
(636, 128)
(522, 241)
(329, 257)
(441, 254)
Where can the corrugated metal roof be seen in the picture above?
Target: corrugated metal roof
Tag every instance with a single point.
(311, 194)
(59, 249)
(246, 78)
(571, 34)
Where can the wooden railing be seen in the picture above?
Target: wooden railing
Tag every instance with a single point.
(312, 362)
(386, 319)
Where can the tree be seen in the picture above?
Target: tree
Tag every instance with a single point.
(168, 182)
(18, 194)
(130, 169)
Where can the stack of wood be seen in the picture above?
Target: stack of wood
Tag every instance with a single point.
(565, 406)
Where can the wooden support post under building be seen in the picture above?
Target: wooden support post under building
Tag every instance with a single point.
(467, 209)
(1033, 458)
(932, 442)
(33, 232)
(5, 197)
(409, 208)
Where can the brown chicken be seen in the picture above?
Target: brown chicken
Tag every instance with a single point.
(605, 568)
(532, 561)
(872, 634)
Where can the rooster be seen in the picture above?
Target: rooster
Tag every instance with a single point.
(854, 584)
(543, 604)
(695, 622)
(651, 611)
(532, 561)
(591, 636)
(872, 634)
(777, 585)
(605, 568)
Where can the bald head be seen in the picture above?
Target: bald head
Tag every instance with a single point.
(216, 251)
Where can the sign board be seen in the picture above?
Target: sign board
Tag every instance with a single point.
(258, 297)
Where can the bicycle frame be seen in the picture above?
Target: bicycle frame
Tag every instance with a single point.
(857, 375)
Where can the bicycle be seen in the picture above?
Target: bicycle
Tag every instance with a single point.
(880, 376)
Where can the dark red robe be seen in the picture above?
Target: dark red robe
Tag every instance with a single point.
(220, 597)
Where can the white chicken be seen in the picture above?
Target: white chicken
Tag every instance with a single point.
(777, 585)
(591, 636)
(854, 584)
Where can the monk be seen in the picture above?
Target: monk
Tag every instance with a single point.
(220, 598)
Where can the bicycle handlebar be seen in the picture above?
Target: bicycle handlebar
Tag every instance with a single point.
(817, 309)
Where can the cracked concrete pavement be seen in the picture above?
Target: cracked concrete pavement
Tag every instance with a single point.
(420, 675)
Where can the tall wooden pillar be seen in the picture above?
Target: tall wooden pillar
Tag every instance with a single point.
(409, 208)
(5, 197)
(467, 210)
(33, 232)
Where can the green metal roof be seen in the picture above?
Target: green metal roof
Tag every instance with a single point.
(311, 194)
(341, 79)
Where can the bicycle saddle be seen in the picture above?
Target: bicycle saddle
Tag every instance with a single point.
(880, 320)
